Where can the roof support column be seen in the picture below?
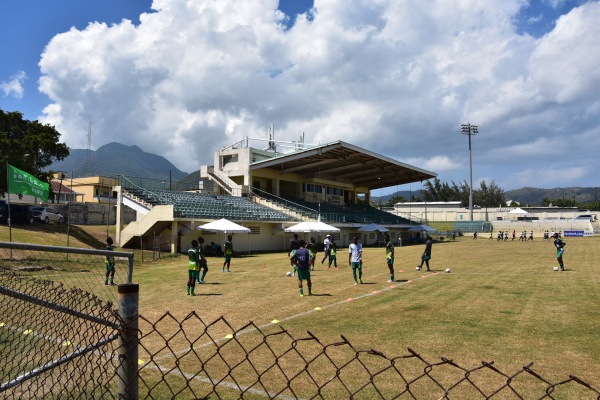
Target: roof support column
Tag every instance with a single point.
(174, 237)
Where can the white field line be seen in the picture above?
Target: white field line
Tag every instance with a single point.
(229, 385)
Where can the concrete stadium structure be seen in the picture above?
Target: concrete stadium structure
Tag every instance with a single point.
(268, 190)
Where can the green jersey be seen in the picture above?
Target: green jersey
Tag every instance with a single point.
(193, 258)
(110, 260)
(389, 250)
(312, 248)
(228, 247)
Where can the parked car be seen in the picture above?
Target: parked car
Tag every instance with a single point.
(19, 213)
(46, 215)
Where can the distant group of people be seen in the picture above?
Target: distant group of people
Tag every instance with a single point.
(502, 236)
(548, 236)
(303, 258)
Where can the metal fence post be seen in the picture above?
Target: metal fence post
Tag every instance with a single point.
(128, 348)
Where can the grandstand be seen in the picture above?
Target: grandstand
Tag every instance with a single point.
(268, 190)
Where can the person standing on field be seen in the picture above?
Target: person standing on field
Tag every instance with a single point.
(355, 259)
(332, 254)
(427, 253)
(202, 260)
(312, 250)
(228, 253)
(302, 261)
(389, 256)
(110, 263)
(294, 245)
(560, 249)
(193, 268)
(326, 247)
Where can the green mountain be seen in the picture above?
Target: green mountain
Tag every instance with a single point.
(534, 196)
(118, 159)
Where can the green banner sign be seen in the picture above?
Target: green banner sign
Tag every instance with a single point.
(20, 182)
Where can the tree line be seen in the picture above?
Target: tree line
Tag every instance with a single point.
(29, 146)
(488, 195)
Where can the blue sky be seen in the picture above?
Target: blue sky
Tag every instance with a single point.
(395, 78)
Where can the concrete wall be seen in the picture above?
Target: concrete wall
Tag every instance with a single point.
(92, 213)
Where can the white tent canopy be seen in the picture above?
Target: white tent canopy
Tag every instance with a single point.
(312, 227)
(518, 211)
(373, 228)
(225, 226)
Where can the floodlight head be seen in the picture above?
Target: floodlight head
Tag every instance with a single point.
(468, 129)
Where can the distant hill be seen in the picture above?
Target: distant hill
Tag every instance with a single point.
(114, 159)
(534, 196)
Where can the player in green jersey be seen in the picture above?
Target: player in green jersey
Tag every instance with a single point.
(193, 267)
(389, 255)
(110, 263)
(228, 253)
(202, 260)
(332, 253)
(312, 250)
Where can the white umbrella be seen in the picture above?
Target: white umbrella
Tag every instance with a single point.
(373, 228)
(312, 227)
(225, 226)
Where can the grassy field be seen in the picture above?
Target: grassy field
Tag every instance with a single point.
(501, 302)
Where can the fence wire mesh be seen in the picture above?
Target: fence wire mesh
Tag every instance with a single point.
(58, 321)
(191, 358)
(56, 341)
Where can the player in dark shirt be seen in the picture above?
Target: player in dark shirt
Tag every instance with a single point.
(560, 249)
(302, 260)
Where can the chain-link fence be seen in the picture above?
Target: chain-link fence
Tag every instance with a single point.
(57, 339)
(60, 341)
(191, 358)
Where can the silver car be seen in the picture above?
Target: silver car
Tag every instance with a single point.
(46, 215)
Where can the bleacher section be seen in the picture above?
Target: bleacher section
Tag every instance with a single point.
(331, 213)
(198, 205)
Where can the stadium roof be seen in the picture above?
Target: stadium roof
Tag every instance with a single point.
(343, 162)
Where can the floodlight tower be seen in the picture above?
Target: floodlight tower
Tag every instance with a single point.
(470, 130)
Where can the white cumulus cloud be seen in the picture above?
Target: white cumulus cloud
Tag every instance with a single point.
(394, 77)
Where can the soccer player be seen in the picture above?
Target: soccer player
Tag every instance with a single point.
(312, 249)
(193, 267)
(110, 263)
(426, 256)
(228, 253)
(332, 254)
(355, 259)
(560, 249)
(389, 255)
(326, 246)
(202, 263)
(302, 260)
(294, 245)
